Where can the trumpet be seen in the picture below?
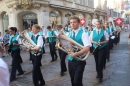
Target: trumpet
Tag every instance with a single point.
(73, 46)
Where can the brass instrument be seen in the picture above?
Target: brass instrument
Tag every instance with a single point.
(27, 42)
(73, 46)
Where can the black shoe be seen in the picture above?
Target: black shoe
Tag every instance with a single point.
(52, 61)
(97, 76)
(42, 84)
(3, 56)
(62, 73)
(11, 79)
(100, 81)
(19, 74)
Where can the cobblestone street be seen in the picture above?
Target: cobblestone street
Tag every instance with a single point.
(116, 72)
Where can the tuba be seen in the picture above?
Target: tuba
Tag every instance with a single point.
(71, 46)
(28, 43)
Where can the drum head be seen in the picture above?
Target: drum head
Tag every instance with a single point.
(94, 21)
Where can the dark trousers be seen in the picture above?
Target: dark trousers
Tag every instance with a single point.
(118, 40)
(36, 73)
(53, 50)
(111, 43)
(76, 69)
(108, 51)
(105, 56)
(20, 59)
(15, 63)
(99, 58)
(30, 55)
(62, 55)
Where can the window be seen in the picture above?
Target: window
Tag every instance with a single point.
(5, 21)
(55, 18)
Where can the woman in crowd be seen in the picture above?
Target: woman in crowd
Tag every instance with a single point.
(1, 44)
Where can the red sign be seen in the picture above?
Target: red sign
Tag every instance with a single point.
(82, 21)
(119, 21)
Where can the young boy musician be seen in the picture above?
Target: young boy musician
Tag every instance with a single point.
(36, 59)
(75, 66)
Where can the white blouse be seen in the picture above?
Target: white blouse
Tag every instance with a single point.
(1, 39)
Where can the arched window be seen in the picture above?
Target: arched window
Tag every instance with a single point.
(5, 21)
(68, 15)
(55, 18)
(89, 19)
(81, 16)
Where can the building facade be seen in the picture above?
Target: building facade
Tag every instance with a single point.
(114, 9)
(24, 13)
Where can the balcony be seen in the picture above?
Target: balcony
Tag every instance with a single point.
(70, 5)
(26, 3)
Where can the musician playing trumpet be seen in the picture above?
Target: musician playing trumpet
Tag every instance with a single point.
(75, 66)
(99, 38)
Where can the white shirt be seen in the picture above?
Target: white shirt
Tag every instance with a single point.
(105, 34)
(1, 39)
(85, 38)
(111, 30)
(39, 41)
(4, 73)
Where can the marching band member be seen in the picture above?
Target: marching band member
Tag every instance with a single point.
(66, 28)
(52, 42)
(116, 35)
(41, 33)
(99, 38)
(118, 30)
(30, 34)
(112, 29)
(62, 54)
(36, 73)
(15, 52)
(89, 33)
(107, 29)
(20, 58)
(76, 67)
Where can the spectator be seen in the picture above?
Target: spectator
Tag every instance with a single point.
(1, 44)
(4, 73)
(6, 40)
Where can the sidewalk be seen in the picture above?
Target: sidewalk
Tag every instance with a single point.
(116, 72)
